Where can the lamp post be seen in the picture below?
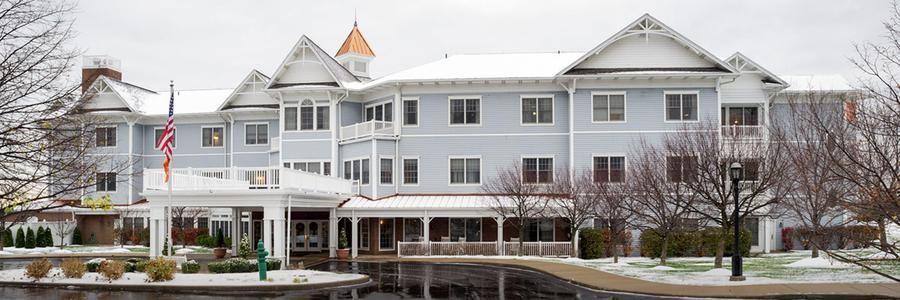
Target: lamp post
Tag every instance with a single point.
(737, 264)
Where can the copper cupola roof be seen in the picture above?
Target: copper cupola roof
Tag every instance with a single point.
(355, 43)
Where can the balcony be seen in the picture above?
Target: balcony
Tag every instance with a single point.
(367, 129)
(235, 179)
(743, 131)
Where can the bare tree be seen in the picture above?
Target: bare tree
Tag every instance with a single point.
(710, 153)
(63, 227)
(44, 153)
(512, 196)
(813, 193)
(612, 207)
(570, 198)
(182, 215)
(658, 201)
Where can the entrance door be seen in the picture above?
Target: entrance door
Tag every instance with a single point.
(307, 235)
(256, 234)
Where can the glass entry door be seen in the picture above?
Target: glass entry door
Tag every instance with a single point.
(308, 235)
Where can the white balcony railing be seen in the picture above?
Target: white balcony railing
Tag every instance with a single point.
(367, 129)
(743, 131)
(196, 179)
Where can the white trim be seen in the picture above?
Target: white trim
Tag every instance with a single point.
(306, 140)
(211, 135)
(379, 103)
(174, 137)
(393, 173)
(450, 111)
(268, 135)
(486, 134)
(609, 108)
(465, 170)
(537, 108)
(321, 163)
(610, 155)
(680, 92)
(466, 228)
(360, 159)
(538, 157)
(393, 234)
(116, 135)
(403, 111)
(403, 170)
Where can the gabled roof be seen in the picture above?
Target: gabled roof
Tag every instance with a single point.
(147, 102)
(355, 43)
(252, 80)
(338, 73)
(133, 97)
(647, 25)
(743, 64)
(807, 83)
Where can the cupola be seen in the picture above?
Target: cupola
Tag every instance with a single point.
(355, 54)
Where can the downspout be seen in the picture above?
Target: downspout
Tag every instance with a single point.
(334, 115)
(571, 89)
(130, 158)
(398, 130)
(231, 141)
(229, 155)
(280, 163)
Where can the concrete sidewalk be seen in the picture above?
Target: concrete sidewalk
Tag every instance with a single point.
(605, 281)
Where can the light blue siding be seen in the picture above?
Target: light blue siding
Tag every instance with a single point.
(500, 113)
(644, 109)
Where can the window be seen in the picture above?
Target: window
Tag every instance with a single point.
(212, 136)
(681, 168)
(752, 224)
(537, 170)
(681, 106)
(157, 134)
(106, 136)
(411, 171)
(465, 111)
(318, 167)
(386, 168)
(323, 117)
(385, 234)
(106, 182)
(359, 66)
(306, 114)
(412, 230)
(608, 107)
(357, 170)
(537, 110)
(749, 171)
(465, 171)
(380, 112)
(411, 112)
(539, 230)
(740, 116)
(364, 233)
(467, 229)
(258, 134)
(609, 168)
(203, 222)
(290, 118)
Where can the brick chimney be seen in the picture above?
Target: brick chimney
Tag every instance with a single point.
(95, 65)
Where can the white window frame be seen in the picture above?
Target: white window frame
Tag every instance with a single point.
(666, 166)
(480, 170)
(321, 163)
(268, 136)
(201, 136)
(418, 111)
(106, 180)
(403, 168)
(373, 105)
(466, 228)
(174, 137)
(608, 108)
(116, 136)
(360, 159)
(538, 157)
(537, 109)
(393, 171)
(450, 111)
(679, 92)
(367, 232)
(284, 115)
(393, 234)
(608, 155)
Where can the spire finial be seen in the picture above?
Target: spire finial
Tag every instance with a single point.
(354, 17)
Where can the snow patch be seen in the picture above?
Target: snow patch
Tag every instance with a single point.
(818, 263)
(184, 251)
(61, 251)
(717, 272)
(233, 279)
(5, 253)
(662, 268)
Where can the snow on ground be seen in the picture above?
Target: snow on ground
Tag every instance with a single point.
(820, 262)
(97, 250)
(234, 279)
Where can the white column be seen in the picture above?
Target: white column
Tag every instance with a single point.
(235, 230)
(426, 223)
(499, 221)
(157, 218)
(332, 233)
(273, 216)
(354, 236)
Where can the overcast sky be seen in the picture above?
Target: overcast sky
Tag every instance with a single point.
(213, 44)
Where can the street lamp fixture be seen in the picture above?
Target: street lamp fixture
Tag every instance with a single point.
(737, 264)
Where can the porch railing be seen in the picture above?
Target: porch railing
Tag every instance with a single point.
(241, 178)
(546, 249)
(367, 129)
(743, 131)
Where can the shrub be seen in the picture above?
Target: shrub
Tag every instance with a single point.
(8, 240)
(39, 237)
(29, 239)
(220, 238)
(234, 265)
(94, 264)
(20, 238)
(140, 266)
(787, 238)
(591, 244)
(112, 269)
(38, 268)
(160, 269)
(206, 241)
(145, 237)
(190, 267)
(701, 242)
(165, 249)
(227, 242)
(76, 237)
(130, 267)
(72, 268)
(48, 237)
(271, 264)
(244, 250)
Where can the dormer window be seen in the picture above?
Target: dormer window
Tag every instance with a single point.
(359, 67)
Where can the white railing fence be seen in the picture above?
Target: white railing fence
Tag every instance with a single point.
(238, 178)
(743, 131)
(367, 129)
(545, 249)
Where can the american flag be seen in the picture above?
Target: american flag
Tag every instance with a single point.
(168, 135)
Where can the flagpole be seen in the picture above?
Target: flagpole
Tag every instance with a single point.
(172, 169)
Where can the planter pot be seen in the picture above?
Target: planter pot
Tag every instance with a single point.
(343, 253)
(219, 253)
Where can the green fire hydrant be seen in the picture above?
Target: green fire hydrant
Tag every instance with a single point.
(261, 254)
